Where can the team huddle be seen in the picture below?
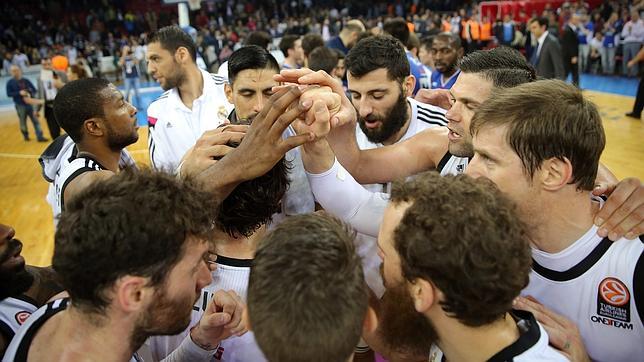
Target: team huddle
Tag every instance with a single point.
(286, 218)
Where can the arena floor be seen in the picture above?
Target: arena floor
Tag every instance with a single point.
(23, 189)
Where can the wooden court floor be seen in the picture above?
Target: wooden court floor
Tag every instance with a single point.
(23, 190)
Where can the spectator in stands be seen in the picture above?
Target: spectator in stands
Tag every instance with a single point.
(347, 37)
(323, 58)
(584, 35)
(7, 62)
(610, 44)
(291, 47)
(20, 59)
(596, 49)
(21, 89)
(309, 42)
(130, 66)
(633, 37)
(75, 72)
(398, 28)
(504, 31)
(425, 54)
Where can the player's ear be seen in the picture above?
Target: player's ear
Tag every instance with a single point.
(423, 293)
(228, 89)
(370, 323)
(94, 126)
(408, 85)
(132, 293)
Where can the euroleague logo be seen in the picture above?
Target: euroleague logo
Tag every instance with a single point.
(21, 317)
(614, 292)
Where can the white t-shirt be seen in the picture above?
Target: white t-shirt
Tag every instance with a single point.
(532, 344)
(174, 128)
(599, 285)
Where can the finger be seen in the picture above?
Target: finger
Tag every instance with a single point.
(295, 141)
(538, 310)
(217, 151)
(277, 107)
(229, 127)
(216, 319)
(602, 189)
(627, 214)
(222, 138)
(322, 119)
(635, 231)
(557, 338)
(285, 119)
(622, 192)
(291, 75)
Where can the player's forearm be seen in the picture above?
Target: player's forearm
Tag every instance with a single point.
(343, 142)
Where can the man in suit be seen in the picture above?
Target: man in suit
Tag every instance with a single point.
(546, 58)
(570, 48)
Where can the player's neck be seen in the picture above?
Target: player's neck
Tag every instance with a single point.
(401, 132)
(463, 343)
(102, 154)
(239, 248)
(568, 216)
(192, 86)
(71, 335)
(445, 76)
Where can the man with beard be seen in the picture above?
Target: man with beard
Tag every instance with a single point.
(452, 274)
(129, 280)
(194, 101)
(307, 298)
(101, 123)
(381, 88)
(446, 52)
(22, 289)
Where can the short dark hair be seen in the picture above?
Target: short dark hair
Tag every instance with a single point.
(254, 202)
(259, 38)
(78, 101)
(375, 52)
(452, 39)
(542, 20)
(250, 57)
(288, 42)
(172, 38)
(323, 58)
(134, 223)
(397, 27)
(307, 297)
(311, 41)
(463, 235)
(427, 41)
(503, 66)
(547, 119)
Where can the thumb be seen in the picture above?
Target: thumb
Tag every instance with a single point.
(217, 319)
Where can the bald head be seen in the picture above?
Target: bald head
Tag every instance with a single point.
(16, 72)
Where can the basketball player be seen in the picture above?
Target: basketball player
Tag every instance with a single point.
(194, 100)
(452, 274)
(129, 280)
(23, 289)
(307, 298)
(481, 73)
(242, 221)
(549, 168)
(381, 89)
(100, 123)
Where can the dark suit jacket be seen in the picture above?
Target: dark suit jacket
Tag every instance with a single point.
(550, 63)
(569, 44)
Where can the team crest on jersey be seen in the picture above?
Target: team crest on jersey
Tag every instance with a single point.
(613, 300)
(222, 114)
(22, 316)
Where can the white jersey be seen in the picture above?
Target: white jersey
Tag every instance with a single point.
(599, 285)
(452, 165)
(532, 345)
(14, 311)
(60, 165)
(18, 349)
(174, 128)
(423, 116)
(231, 274)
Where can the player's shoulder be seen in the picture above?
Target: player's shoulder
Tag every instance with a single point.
(159, 103)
